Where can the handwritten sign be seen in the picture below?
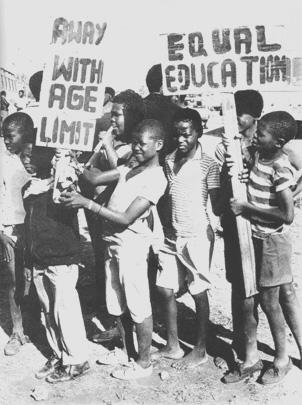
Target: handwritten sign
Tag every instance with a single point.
(230, 59)
(72, 89)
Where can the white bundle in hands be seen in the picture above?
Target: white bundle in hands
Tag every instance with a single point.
(65, 174)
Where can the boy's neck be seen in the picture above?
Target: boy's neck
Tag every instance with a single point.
(154, 162)
(270, 155)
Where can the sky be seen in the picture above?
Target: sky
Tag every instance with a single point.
(134, 26)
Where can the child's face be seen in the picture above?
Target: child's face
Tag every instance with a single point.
(264, 140)
(118, 119)
(186, 136)
(144, 146)
(13, 140)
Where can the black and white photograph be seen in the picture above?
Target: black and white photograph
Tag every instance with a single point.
(150, 202)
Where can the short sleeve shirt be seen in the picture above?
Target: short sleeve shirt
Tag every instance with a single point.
(266, 180)
(149, 184)
(188, 192)
(13, 179)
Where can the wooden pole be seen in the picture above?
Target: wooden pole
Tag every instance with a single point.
(239, 192)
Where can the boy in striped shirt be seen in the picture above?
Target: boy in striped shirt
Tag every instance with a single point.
(185, 257)
(270, 208)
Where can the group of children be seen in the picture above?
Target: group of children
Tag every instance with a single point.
(129, 226)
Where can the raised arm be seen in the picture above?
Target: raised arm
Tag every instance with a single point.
(96, 177)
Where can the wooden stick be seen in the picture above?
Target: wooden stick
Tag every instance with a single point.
(239, 192)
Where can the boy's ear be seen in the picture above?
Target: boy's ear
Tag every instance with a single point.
(159, 144)
(280, 143)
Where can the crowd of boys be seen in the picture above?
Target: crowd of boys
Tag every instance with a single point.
(146, 187)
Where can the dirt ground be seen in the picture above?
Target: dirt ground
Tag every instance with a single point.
(199, 386)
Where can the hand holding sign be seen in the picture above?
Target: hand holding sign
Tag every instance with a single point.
(106, 137)
(73, 200)
(65, 174)
(237, 206)
(72, 88)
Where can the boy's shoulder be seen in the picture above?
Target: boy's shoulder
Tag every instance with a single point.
(279, 163)
(207, 158)
(278, 172)
(153, 175)
(199, 155)
(282, 161)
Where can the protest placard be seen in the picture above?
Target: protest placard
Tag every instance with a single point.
(72, 88)
(226, 60)
(230, 59)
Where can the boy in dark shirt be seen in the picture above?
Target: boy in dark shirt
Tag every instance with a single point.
(52, 252)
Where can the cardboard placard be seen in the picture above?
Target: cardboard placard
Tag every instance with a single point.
(226, 60)
(72, 88)
(230, 59)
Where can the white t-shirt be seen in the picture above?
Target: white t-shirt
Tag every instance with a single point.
(21, 103)
(149, 184)
(13, 178)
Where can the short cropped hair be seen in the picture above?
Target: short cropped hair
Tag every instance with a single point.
(248, 102)
(35, 83)
(189, 115)
(110, 91)
(280, 124)
(133, 110)
(155, 127)
(22, 122)
(3, 93)
(154, 79)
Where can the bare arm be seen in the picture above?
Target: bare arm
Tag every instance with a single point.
(112, 156)
(126, 218)
(96, 177)
(298, 188)
(284, 211)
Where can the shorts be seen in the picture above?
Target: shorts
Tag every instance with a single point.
(15, 268)
(186, 263)
(127, 283)
(273, 260)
